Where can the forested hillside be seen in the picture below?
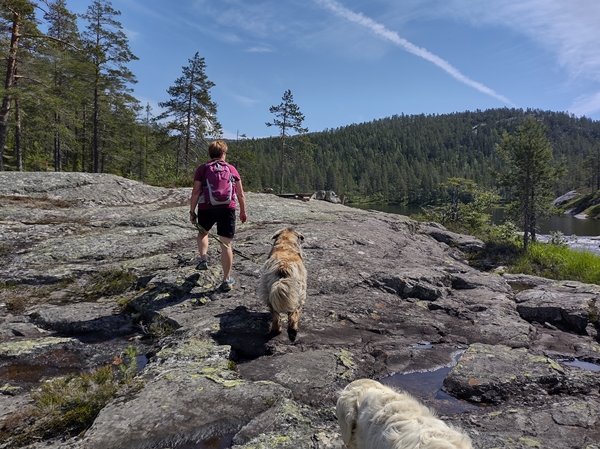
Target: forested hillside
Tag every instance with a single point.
(403, 159)
(68, 104)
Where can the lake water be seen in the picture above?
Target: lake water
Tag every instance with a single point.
(583, 233)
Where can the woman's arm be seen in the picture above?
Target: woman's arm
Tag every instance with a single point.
(241, 199)
(196, 190)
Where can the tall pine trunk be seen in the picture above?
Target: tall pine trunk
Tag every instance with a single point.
(84, 138)
(96, 148)
(57, 155)
(188, 131)
(18, 149)
(9, 83)
(281, 163)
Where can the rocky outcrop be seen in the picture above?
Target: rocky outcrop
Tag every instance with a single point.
(565, 198)
(94, 264)
(580, 205)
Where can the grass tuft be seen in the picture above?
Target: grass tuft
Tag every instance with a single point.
(69, 405)
(110, 283)
(558, 262)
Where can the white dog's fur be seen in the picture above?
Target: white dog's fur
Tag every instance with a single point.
(282, 284)
(373, 416)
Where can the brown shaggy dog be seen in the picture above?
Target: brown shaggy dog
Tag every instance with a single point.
(372, 415)
(282, 283)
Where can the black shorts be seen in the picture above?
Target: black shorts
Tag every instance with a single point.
(224, 217)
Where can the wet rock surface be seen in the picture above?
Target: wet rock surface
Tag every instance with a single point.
(93, 264)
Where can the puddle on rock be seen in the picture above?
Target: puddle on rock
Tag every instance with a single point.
(580, 364)
(62, 362)
(26, 373)
(218, 442)
(427, 387)
(422, 345)
(142, 361)
(57, 362)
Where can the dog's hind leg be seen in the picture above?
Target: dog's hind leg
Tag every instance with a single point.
(292, 330)
(276, 322)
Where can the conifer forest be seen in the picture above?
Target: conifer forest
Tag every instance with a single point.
(68, 104)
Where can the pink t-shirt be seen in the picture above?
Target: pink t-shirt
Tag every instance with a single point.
(203, 203)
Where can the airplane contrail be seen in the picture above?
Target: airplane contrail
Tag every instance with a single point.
(394, 38)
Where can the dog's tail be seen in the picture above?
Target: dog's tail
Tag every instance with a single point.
(284, 272)
(287, 295)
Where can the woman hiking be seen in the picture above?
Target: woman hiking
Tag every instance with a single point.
(216, 192)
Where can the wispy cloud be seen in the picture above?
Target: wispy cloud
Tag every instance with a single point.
(258, 19)
(393, 37)
(567, 29)
(131, 35)
(246, 101)
(586, 105)
(260, 49)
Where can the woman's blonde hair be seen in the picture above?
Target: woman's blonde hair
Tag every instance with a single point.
(217, 149)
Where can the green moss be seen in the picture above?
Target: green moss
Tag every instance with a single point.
(10, 389)
(22, 347)
(346, 360)
(530, 442)
(110, 283)
(200, 301)
(555, 366)
(225, 382)
(270, 442)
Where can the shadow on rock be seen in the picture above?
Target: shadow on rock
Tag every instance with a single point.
(246, 332)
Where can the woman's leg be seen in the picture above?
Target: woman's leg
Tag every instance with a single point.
(226, 257)
(202, 245)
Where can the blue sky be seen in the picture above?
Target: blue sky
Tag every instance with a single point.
(352, 61)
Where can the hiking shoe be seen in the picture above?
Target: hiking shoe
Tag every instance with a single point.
(228, 284)
(202, 265)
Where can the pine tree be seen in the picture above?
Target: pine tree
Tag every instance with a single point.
(288, 117)
(109, 52)
(190, 109)
(530, 175)
(17, 16)
(66, 64)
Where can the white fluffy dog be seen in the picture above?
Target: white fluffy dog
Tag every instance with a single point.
(373, 416)
(282, 283)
